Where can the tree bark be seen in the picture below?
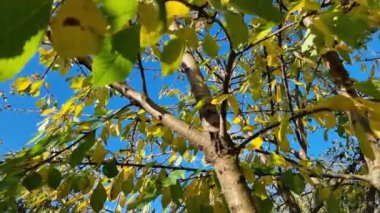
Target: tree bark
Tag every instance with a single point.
(234, 186)
(220, 151)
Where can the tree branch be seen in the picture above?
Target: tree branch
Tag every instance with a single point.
(167, 119)
(276, 124)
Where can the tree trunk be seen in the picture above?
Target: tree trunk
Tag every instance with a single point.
(234, 186)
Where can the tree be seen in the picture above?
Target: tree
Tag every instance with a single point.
(261, 78)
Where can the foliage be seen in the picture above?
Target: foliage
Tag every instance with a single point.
(264, 77)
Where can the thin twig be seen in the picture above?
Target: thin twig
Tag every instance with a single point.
(142, 73)
(276, 124)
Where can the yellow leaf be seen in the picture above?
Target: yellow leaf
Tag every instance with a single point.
(176, 9)
(21, 84)
(78, 29)
(255, 143)
(234, 104)
(172, 158)
(325, 193)
(330, 120)
(278, 160)
(337, 102)
(259, 120)
(281, 136)
(248, 128)
(116, 186)
(77, 83)
(151, 25)
(78, 109)
(278, 94)
(46, 112)
(375, 127)
(248, 172)
(99, 153)
(35, 88)
(218, 100)
(364, 143)
(237, 120)
(91, 181)
(64, 189)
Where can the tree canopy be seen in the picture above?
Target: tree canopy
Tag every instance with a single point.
(217, 104)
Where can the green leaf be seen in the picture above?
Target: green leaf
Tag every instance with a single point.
(173, 177)
(54, 178)
(80, 152)
(119, 12)
(333, 204)
(117, 186)
(65, 188)
(176, 193)
(236, 28)
(364, 143)
(262, 8)
(247, 172)
(110, 169)
(371, 87)
(23, 26)
(32, 181)
(298, 184)
(210, 46)
(127, 185)
(260, 190)
(293, 181)
(11, 66)
(21, 21)
(166, 197)
(109, 65)
(127, 43)
(98, 198)
(99, 153)
(339, 24)
(152, 21)
(171, 56)
(80, 182)
(264, 205)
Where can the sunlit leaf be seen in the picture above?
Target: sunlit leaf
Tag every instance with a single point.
(371, 88)
(262, 8)
(176, 9)
(152, 26)
(171, 56)
(78, 29)
(364, 143)
(255, 143)
(111, 65)
(99, 153)
(22, 22)
(119, 12)
(11, 66)
(21, 84)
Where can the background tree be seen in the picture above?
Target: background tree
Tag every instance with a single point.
(244, 85)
